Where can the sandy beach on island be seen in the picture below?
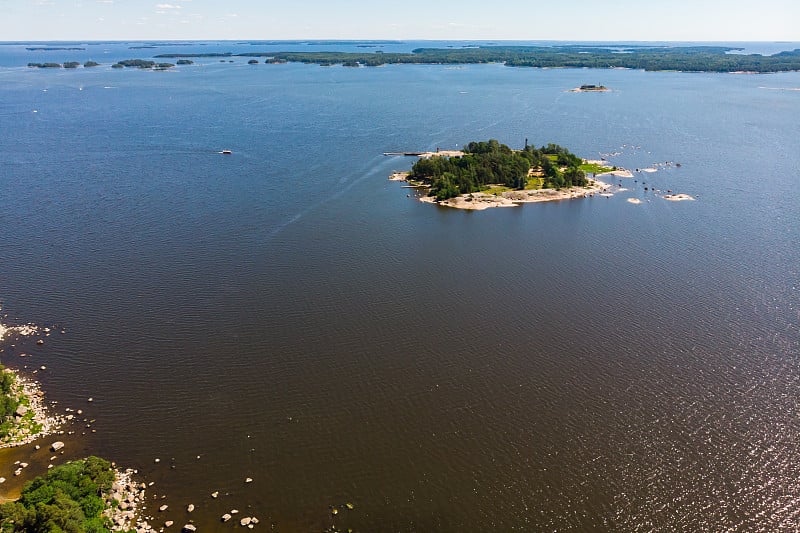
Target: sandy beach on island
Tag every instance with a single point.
(442, 153)
(479, 201)
(399, 176)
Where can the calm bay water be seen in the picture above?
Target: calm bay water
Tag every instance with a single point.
(287, 314)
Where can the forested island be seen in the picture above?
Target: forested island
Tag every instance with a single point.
(491, 163)
(488, 173)
(142, 64)
(651, 58)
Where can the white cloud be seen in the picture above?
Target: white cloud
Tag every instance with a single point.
(168, 6)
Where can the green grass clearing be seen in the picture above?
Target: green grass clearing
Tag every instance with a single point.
(594, 168)
(534, 183)
(496, 189)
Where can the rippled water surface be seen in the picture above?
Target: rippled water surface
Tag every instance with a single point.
(287, 314)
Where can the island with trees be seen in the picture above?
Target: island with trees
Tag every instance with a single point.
(44, 65)
(142, 64)
(490, 174)
(650, 58)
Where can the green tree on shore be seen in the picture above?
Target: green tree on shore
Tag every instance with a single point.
(68, 498)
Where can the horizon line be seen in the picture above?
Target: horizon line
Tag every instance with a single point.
(299, 39)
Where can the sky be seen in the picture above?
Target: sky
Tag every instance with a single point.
(581, 20)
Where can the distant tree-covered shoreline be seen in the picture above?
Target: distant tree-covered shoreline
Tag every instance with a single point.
(652, 58)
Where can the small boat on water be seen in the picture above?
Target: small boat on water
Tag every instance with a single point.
(226, 152)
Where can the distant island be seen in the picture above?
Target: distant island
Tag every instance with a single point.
(67, 64)
(490, 174)
(650, 58)
(50, 49)
(143, 64)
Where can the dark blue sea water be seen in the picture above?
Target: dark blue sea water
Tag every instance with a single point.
(288, 314)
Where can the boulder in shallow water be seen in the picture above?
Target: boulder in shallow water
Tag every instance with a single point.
(57, 445)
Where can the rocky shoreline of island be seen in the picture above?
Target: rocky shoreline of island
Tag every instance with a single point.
(27, 417)
(121, 500)
(479, 201)
(27, 420)
(475, 179)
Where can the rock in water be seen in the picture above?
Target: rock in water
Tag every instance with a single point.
(57, 445)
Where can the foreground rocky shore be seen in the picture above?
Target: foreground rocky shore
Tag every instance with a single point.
(124, 503)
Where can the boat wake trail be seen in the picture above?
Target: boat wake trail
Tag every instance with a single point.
(376, 167)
